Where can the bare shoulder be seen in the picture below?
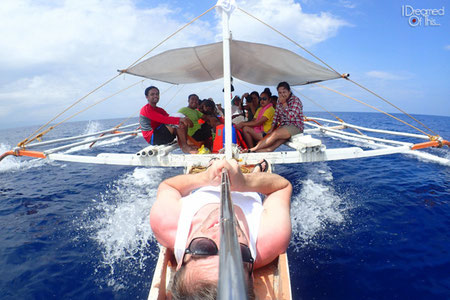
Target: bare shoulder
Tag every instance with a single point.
(275, 227)
(273, 237)
(164, 215)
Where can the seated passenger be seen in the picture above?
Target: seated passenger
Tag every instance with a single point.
(253, 131)
(158, 127)
(274, 100)
(211, 120)
(252, 104)
(195, 115)
(287, 121)
(237, 114)
(210, 109)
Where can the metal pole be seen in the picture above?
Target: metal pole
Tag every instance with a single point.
(232, 283)
(227, 83)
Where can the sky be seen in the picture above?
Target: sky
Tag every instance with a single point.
(53, 52)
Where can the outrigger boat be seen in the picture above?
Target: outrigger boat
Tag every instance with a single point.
(257, 64)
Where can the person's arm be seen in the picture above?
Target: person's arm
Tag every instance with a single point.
(294, 109)
(253, 123)
(275, 226)
(186, 121)
(261, 182)
(276, 119)
(272, 128)
(167, 207)
(164, 119)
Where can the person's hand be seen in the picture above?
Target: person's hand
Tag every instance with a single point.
(282, 99)
(237, 179)
(187, 122)
(239, 125)
(214, 174)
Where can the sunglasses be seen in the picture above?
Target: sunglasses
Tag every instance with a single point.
(203, 247)
(264, 98)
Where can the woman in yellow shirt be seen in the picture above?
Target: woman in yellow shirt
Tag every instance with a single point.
(254, 130)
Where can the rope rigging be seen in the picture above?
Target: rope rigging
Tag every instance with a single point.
(37, 134)
(346, 76)
(373, 107)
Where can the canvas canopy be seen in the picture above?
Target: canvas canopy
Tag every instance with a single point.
(251, 62)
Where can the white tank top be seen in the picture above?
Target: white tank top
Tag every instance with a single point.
(249, 202)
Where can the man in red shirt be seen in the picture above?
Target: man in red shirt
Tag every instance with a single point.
(159, 128)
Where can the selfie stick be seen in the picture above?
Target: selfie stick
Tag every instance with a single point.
(232, 283)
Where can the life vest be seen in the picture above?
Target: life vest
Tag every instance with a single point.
(219, 140)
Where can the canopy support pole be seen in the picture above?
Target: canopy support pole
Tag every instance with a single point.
(227, 82)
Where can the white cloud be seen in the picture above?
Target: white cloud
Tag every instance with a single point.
(388, 75)
(447, 47)
(287, 17)
(347, 4)
(54, 52)
(87, 31)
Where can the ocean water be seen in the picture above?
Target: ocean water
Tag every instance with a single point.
(373, 228)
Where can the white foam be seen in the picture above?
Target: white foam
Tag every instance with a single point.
(12, 163)
(121, 226)
(443, 158)
(316, 206)
(92, 127)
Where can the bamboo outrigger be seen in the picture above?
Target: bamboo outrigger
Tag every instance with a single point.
(214, 61)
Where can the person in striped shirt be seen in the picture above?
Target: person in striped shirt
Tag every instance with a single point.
(287, 121)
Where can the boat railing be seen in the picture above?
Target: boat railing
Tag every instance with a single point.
(398, 133)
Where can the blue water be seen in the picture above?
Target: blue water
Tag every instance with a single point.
(374, 228)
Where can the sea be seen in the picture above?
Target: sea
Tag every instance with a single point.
(369, 228)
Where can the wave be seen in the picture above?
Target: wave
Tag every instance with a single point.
(119, 224)
(92, 127)
(316, 207)
(12, 163)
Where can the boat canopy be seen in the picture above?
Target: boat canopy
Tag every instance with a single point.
(250, 62)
